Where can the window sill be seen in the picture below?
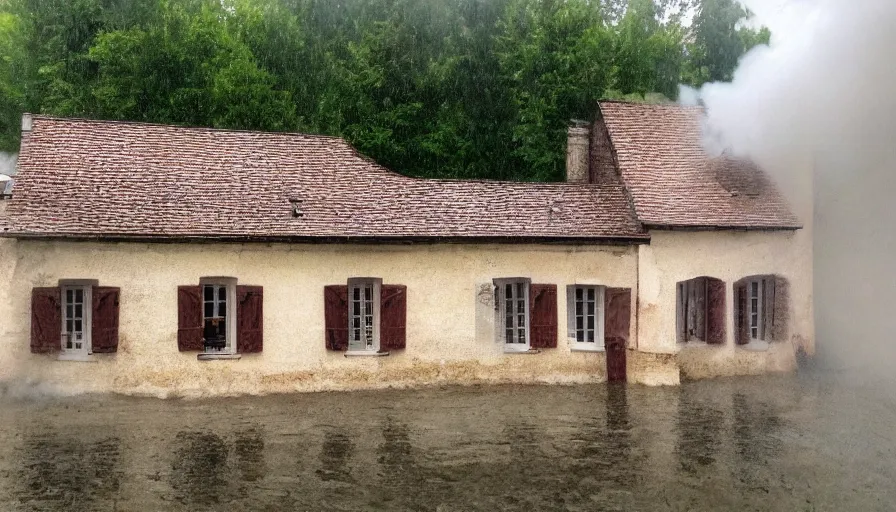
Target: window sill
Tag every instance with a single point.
(587, 349)
(83, 358)
(530, 351)
(218, 357)
(366, 353)
(755, 346)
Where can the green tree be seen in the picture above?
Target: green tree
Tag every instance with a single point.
(720, 38)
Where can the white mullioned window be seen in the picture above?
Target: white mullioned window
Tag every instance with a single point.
(754, 308)
(586, 316)
(364, 314)
(512, 304)
(218, 315)
(76, 319)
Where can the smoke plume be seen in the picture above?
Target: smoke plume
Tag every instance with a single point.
(822, 92)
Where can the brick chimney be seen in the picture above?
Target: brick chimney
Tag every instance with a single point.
(577, 151)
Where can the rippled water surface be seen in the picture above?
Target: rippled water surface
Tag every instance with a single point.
(771, 443)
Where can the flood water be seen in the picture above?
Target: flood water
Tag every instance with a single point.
(818, 442)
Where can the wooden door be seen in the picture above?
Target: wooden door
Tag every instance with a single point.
(615, 348)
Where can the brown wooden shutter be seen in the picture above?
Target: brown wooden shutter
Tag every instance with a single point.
(618, 314)
(700, 284)
(715, 313)
(46, 320)
(741, 328)
(543, 315)
(104, 324)
(189, 318)
(393, 316)
(780, 309)
(336, 316)
(249, 319)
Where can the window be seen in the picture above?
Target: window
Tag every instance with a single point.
(586, 316)
(214, 317)
(761, 309)
(219, 318)
(755, 312)
(512, 302)
(700, 310)
(365, 317)
(77, 318)
(364, 311)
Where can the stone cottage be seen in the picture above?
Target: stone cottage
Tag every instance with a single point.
(166, 260)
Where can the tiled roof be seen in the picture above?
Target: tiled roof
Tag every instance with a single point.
(673, 182)
(120, 180)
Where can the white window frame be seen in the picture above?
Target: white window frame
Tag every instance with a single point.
(361, 283)
(758, 312)
(501, 313)
(86, 287)
(572, 317)
(230, 326)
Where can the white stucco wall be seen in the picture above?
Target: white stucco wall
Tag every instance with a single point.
(450, 322)
(674, 256)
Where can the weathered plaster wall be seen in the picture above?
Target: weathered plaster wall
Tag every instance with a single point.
(450, 323)
(728, 255)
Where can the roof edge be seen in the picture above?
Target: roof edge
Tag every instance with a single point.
(392, 240)
(690, 227)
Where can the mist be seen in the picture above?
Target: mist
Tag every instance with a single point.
(821, 94)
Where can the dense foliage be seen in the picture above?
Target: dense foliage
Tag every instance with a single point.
(447, 88)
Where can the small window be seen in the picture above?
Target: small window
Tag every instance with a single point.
(585, 305)
(755, 310)
(512, 302)
(700, 310)
(76, 319)
(364, 314)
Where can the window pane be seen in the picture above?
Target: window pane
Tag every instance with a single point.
(209, 293)
(579, 308)
(580, 335)
(222, 308)
(591, 336)
(79, 295)
(68, 311)
(508, 336)
(68, 326)
(356, 308)
(520, 290)
(509, 308)
(209, 309)
(580, 323)
(522, 336)
(591, 294)
(590, 309)
(78, 326)
(356, 293)
(508, 322)
(508, 291)
(222, 293)
(591, 322)
(579, 293)
(79, 311)
(69, 296)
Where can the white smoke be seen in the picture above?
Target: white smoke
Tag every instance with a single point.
(823, 91)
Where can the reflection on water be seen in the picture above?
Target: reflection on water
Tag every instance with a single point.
(743, 444)
(67, 470)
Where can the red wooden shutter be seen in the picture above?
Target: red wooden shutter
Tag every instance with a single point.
(715, 311)
(543, 315)
(393, 316)
(46, 320)
(780, 308)
(104, 324)
(189, 318)
(617, 315)
(742, 331)
(249, 319)
(336, 316)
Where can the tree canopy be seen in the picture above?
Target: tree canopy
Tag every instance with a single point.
(434, 88)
